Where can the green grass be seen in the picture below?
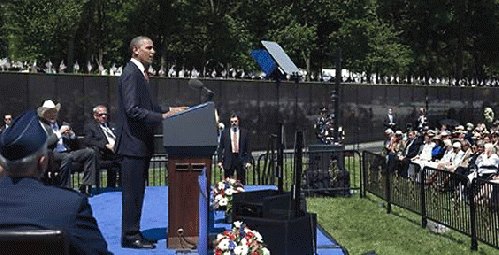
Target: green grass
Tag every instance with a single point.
(362, 225)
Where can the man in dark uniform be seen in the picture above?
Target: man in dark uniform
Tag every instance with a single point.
(29, 204)
(138, 117)
(234, 150)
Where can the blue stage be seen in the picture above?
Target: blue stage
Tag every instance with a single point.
(107, 210)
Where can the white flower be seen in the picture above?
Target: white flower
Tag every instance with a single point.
(232, 181)
(224, 201)
(240, 189)
(258, 236)
(218, 197)
(244, 242)
(224, 244)
(220, 237)
(229, 192)
(238, 224)
(241, 250)
(221, 186)
(265, 251)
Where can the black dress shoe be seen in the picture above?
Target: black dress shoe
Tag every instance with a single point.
(137, 243)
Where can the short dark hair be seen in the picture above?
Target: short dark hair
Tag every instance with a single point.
(137, 42)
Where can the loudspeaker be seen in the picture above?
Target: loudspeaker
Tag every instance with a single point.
(270, 204)
(289, 236)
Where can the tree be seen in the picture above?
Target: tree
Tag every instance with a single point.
(41, 29)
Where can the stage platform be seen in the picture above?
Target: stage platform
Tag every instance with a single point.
(107, 210)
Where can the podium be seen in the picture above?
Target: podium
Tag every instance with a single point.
(190, 139)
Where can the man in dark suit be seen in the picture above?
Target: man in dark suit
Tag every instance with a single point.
(7, 119)
(63, 143)
(138, 117)
(29, 204)
(101, 136)
(412, 145)
(390, 120)
(234, 150)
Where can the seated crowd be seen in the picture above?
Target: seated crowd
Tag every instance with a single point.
(68, 154)
(470, 152)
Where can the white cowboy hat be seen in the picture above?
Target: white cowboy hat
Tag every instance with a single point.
(47, 105)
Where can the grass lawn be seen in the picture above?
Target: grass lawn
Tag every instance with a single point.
(362, 225)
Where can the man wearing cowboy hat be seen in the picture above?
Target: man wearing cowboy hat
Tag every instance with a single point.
(60, 140)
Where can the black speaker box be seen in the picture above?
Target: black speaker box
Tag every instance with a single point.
(270, 204)
(293, 236)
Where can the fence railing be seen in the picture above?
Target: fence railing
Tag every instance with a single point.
(441, 196)
(321, 171)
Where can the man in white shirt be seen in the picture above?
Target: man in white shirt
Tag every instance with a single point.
(63, 143)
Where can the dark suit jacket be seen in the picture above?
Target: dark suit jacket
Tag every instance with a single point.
(225, 148)
(386, 121)
(28, 202)
(413, 149)
(95, 137)
(138, 115)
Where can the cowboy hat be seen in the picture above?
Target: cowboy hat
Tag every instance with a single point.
(47, 105)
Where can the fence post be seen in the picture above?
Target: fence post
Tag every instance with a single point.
(388, 188)
(422, 180)
(363, 175)
(280, 158)
(471, 198)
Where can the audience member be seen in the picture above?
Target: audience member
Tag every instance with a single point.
(234, 150)
(390, 120)
(63, 143)
(7, 119)
(29, 204)
(101, 136)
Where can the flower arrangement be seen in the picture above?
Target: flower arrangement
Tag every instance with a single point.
(222, 194)
(240, 240)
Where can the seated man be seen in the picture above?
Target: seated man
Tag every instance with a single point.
(61, 140)
(101, 136)
(29, 204)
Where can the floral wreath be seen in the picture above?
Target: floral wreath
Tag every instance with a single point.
(222, 193)
(240, 240)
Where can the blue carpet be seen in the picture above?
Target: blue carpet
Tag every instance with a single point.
(107, 210)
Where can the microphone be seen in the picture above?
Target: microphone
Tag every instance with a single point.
(196, 83)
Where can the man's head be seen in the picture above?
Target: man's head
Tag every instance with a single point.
(142, 49)
(23, 147)
(49, 111)
(234, 120)
(7, 119)
(100, 114)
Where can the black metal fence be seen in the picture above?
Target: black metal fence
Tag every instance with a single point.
(441, 196)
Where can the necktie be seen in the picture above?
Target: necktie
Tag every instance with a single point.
(146, 74)
(108, 132)
(235, 143)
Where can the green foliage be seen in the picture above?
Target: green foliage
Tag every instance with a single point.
(388, 37)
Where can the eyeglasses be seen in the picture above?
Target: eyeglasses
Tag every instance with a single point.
(234, 122)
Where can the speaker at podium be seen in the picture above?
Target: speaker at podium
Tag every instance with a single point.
(190, 139)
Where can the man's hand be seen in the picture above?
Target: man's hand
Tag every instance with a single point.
(247, 166)
(174, 110)
(110, 146)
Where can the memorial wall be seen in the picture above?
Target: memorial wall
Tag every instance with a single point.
(260, 104)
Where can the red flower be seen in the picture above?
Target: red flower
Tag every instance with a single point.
(232, 237)
(218, 251)
(255, 252)
(249, 235)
